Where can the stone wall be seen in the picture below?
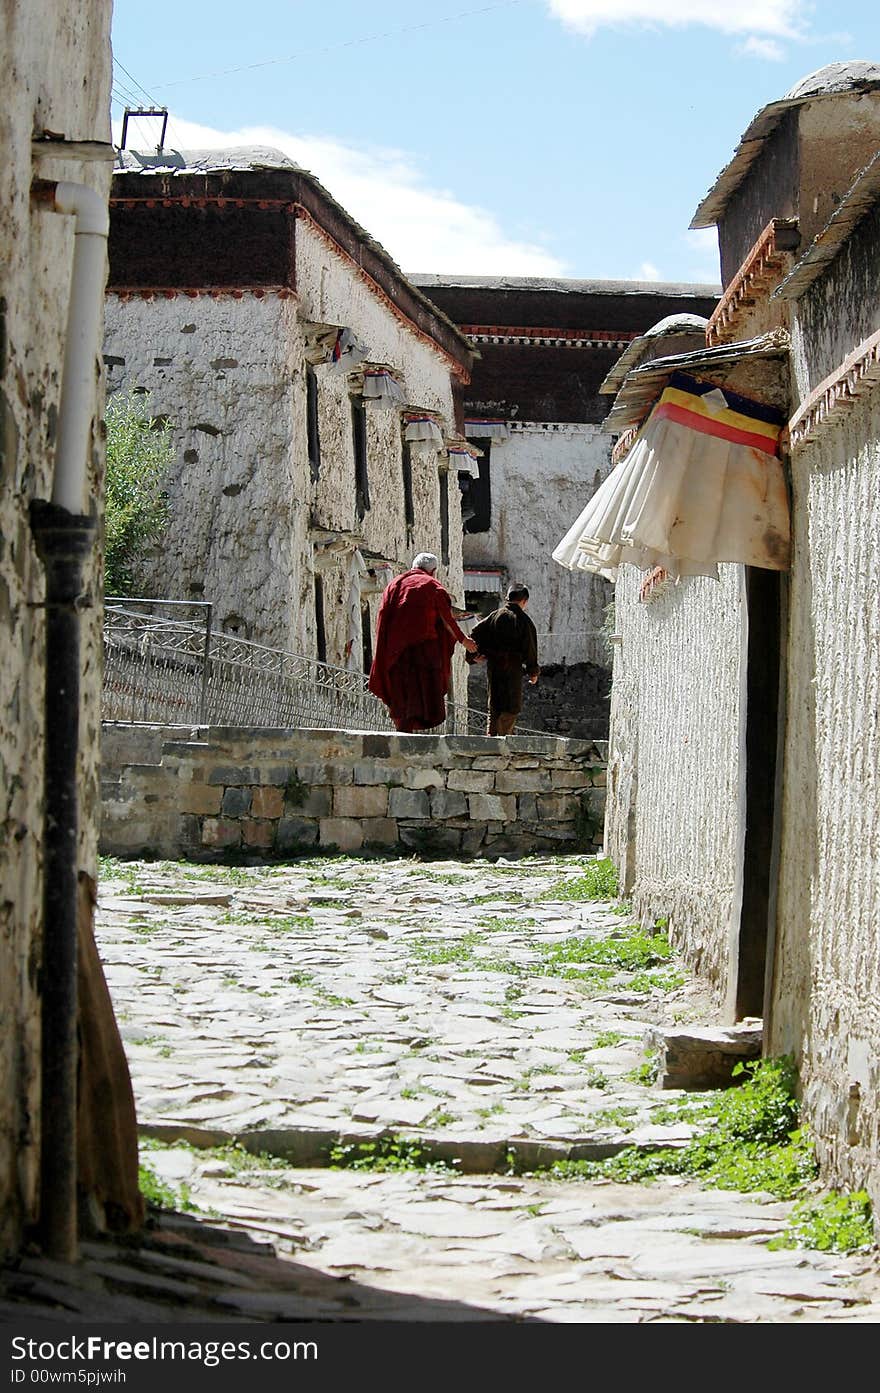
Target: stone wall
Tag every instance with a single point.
(210, 793)
(571, 700)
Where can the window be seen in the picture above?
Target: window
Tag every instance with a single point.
(476, 499)
(444, 516)
(359, 436)
(366, 638)
(312, 429)
(320, 632)
(409, 512)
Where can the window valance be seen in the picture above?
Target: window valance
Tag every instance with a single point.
(383, 389)
(702, 483)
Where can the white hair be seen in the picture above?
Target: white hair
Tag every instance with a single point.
(425, 561)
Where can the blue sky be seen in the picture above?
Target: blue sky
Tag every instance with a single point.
(522, 137)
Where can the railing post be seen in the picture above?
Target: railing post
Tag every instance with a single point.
(206, 663)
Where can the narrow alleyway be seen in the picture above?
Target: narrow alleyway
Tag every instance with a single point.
(350, 1010)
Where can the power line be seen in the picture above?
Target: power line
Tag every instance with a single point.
(350, 43)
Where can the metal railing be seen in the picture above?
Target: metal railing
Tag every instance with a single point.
(165, 664)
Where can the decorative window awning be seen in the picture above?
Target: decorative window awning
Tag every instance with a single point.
(382, 389)
(702, 483)
(486, 428)
(423, 429)
(464, 457)
(339, 348)
(489, 582)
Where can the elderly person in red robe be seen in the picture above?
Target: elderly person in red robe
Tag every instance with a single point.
(416, 634)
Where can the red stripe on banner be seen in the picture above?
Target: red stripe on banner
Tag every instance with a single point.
(706, 426)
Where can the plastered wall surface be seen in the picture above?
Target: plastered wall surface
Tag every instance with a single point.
(222, 370)
(827, 962)
(672, 821)
(55, 74)
(541, 480)
(230, 373)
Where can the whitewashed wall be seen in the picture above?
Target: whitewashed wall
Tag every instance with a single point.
(541, 480)
(221, 370)
(54, 75)
(826, 997)
(674, 764)
(230, 373)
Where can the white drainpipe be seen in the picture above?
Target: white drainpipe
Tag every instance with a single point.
(84, 313)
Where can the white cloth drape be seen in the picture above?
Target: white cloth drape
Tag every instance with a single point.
(701, 484)
(487, 430)
(423, 430)
(382, 389)
(345, 352)
(463, 460)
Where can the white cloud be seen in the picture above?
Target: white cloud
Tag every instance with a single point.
(762, 48)
(648, 272)
(782, 19)
(702, 244)
(422, 228)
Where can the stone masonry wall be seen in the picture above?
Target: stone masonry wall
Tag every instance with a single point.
(209, 793)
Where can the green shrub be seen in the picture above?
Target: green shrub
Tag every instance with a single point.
(834, 1223)
(139, 455)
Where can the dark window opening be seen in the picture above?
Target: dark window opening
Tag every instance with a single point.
(444, 516)
(320, 632)
(314, 437)
(476, 499)
(409, 511)
(366, 638)
(359, 436)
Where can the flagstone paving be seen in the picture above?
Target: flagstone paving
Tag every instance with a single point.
(333, 1002)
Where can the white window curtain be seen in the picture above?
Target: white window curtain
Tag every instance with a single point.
(464, 460)
(702, 483)
(382, 389)
(423, 430)
(490, 429)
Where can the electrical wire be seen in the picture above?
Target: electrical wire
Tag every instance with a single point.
(349, 43)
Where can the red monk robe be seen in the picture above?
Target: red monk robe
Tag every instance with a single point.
(416, 635)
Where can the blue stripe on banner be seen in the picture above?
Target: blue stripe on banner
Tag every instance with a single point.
(744, 405)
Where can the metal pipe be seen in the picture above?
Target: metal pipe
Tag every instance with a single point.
(64, 537)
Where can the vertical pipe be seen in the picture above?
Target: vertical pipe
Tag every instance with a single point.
(206, 667)
(63, 543)
(64, 538)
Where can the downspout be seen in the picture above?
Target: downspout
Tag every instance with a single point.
(64, 535)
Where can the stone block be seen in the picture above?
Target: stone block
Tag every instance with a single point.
(198, 798)
(344, 832)
(470, 781)
(472, 838)
(257, 833)
(532, 744)
(430, 839)
(704, 1058)
(492, 807)
(522, 781)
(570, 778)
(295, 831)
(370, 771)
(489, 762)
(558, 807)
(227, 774)
(267, 801)
(220, 832)
(447, 804)
(473, 744)
(377, 746)
(351, 801)
(424, 778)
(379, 831)
(325, 773)
(527, 807)
(236, 801)
(408, 802)
(317, 803)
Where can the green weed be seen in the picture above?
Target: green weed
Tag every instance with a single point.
(834, 1223)
(598, 882)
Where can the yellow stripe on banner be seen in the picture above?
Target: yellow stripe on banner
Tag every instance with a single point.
(736, 419)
